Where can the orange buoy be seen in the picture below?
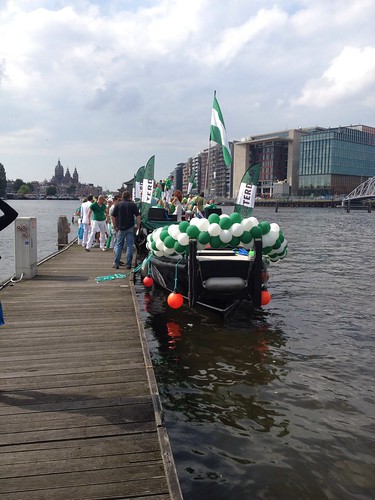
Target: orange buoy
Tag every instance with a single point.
(175, 300)
(265, 297)
(148, 281)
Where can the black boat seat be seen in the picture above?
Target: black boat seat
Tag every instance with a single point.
(224, 284)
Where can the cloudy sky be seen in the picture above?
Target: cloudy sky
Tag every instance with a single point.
(105, 84)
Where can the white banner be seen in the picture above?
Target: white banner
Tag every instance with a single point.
(137, 193)
(246, 195)
(147, 190)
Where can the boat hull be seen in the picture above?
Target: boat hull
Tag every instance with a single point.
(219, 280)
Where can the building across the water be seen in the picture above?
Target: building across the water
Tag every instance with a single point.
(62, 184)
(313, 161)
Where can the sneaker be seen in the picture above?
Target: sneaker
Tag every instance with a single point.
(128, 267)
(115, 266)
(87, 249)
(104, 249)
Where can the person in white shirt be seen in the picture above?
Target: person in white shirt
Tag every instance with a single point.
(85, 209)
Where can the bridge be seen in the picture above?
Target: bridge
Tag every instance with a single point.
(364, 192)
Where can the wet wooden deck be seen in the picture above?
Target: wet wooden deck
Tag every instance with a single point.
(78, 399)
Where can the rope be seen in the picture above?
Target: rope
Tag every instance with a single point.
(14, 280)
(175, 276)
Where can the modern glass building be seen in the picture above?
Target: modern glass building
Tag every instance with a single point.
(335, 161)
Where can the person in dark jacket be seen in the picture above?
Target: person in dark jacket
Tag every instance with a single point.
(9, 216)
(124, 215)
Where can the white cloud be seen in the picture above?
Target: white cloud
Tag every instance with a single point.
(350, 74)
(111, 82)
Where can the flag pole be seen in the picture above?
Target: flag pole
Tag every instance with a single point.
(208, 161)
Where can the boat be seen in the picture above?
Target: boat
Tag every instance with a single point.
(218, 263)
(217, 279)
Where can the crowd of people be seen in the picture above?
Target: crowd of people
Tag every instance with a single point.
(108, 223)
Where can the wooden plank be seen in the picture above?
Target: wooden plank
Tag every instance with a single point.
(77, 418)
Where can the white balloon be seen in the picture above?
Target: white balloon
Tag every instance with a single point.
(223, 216)
(159, 244)
(225, 236)
(275, 227)
(194, 221)
(203, 224)
(269, 239)
(249, 222)
(157, 232)
(214, 229)
(237, 229)
(171, 229)
(201, 246)
(169, 251)
(158, 253)
(183, 239)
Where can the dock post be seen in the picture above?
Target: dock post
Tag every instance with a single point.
(369, 207)
(63, 229)
(348, 207)
(277, 207)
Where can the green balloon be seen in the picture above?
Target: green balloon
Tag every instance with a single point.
(163, 235)
(169, 242)
(246, 237)
(213, 218)
(225, 223)
(281, 237)
(203, 237)
(192, 231)
(256, 232)
(267, 250)
(235, 217)
(153, 246)
(277, 244)
(265, 227)
(179, 248)
(215, 241)
(183, 226)
(235, 241)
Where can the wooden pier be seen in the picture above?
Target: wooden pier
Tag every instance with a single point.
(80, 415)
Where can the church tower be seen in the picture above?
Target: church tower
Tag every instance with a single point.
(59, 173)
(67, 177)
(75, 176)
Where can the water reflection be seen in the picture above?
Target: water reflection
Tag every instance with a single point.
(279, 403)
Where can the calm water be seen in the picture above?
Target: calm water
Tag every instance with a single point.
(47, 213)
(279, 404)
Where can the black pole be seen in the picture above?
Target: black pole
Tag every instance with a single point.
(257, 273)
(192, 272)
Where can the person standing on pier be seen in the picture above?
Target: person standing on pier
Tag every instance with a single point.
(9, 216)
(97, 215)
(85, 209)
(123, 221)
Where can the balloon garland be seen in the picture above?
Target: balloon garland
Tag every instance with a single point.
(219, 231)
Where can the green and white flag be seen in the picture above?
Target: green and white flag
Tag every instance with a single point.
(138, 181)
(218, 133)
(147, 187)
(191, 184)
(248, 191)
